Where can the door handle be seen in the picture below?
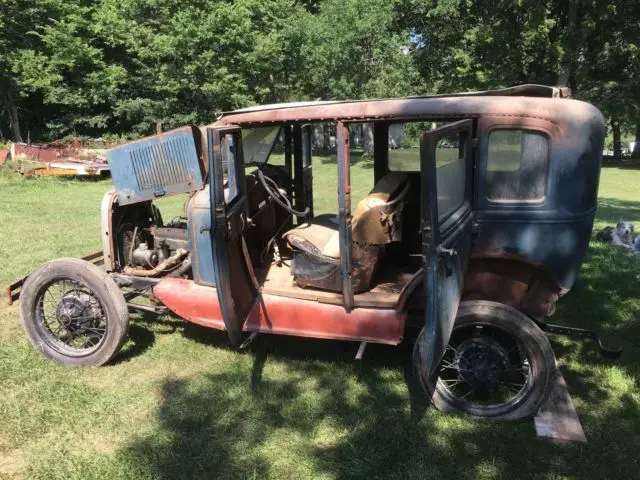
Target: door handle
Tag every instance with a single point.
(447, 253)
(451, 252)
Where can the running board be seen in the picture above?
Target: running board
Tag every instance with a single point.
(581, 333)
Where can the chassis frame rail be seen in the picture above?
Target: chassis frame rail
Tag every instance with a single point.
(12, 292)
(581, 333)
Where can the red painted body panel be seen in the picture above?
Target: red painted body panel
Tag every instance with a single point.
(284, 316)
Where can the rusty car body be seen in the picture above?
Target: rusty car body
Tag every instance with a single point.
(494, 209)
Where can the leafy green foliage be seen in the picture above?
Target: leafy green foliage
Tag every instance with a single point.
(119, 66)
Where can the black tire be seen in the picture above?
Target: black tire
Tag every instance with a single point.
(540, 363)
(94, 284)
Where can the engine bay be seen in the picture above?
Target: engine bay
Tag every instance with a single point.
(142, 245)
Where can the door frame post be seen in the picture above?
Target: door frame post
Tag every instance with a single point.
(298, 171)
(344, 212)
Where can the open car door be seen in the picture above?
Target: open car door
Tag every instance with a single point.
(447, 217)
(233, 272)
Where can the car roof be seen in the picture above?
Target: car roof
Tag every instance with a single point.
(525, 100)
(532, 90)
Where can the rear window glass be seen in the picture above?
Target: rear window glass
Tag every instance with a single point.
(517, 165)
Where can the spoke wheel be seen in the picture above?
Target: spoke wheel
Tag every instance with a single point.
(70, 318)
(498, 364)
(484, 366)
(74, 313)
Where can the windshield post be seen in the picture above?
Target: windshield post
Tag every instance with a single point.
(344, 213)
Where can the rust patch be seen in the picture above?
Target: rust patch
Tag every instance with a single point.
(511, 282)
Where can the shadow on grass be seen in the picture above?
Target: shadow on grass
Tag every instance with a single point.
(327, 415)
(612, 210)
(142, 334)
(335, 418)
(307, 409)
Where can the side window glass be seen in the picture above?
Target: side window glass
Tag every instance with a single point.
(451, 172)
(229, 151)
(517, 165)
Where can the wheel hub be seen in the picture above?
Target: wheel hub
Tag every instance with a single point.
(76, 310)
(481, 363)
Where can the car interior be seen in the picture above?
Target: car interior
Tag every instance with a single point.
(299, 255)
(288, 251)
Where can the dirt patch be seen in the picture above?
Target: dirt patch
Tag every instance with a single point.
(12, 462)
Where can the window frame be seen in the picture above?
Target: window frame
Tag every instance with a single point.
(467, 159)
(486, 126)
(280, 130)
(540, 199)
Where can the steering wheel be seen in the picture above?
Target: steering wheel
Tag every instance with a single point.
(272, 189)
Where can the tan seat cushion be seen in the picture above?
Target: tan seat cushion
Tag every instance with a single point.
(371, 226)
(322, 238)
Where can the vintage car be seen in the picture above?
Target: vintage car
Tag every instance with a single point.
(477, 232)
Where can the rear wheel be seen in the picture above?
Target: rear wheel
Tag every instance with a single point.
(74, 313)
(498, 364)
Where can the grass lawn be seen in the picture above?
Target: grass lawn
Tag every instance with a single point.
(178, 402)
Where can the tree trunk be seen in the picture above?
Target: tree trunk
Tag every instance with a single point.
(617, 144)
(565, 78)
(367, 133)
(14, 121)
(326, 137)
(636, 147)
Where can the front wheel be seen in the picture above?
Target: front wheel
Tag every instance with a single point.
(74, 313)
(498, 364)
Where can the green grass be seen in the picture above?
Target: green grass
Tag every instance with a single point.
(178, 402)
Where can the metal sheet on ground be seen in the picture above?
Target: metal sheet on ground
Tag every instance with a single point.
(558, 419)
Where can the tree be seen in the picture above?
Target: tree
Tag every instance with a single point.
(121, 65)
(118, 66)
(610, 66)
(354, 49)
(17, 18)
(484, 44)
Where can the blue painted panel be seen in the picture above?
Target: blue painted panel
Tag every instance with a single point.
(158, 166)
(558, 246)
(199, 215)
(555, 232)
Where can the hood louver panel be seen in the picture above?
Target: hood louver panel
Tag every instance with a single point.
(158, 166)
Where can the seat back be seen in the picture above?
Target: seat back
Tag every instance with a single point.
(377, 220)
